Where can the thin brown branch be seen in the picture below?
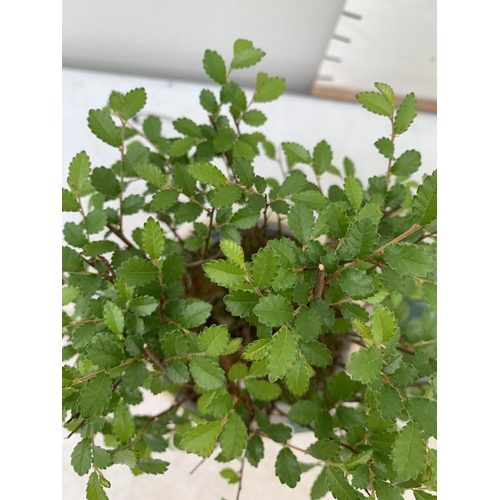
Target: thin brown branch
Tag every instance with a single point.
(153, 357)
(240, 482)
(120, 235)
(320, 281)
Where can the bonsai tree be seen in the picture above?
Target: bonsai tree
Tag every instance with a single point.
(282, 297)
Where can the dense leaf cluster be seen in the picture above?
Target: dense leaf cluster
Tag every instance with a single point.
(256, 312)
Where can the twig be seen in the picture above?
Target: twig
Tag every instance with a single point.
(120, 235)
(154, 357)
(198, 465)
(320, 281)
(241, 477)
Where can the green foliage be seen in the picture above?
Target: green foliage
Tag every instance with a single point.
(244, 320)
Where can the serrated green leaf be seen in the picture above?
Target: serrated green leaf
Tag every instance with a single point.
(384, 324)
(105, 353)
(229, 474)
(152, 238)
(94, 489)
(423, 412)
(356, 282)
(152, 128)
(274, 310)
(133, 102)
(254, 118)
(213, 340)
(181, 147)
(270, 89)
(297, 378)
(163, 200)
(359, 460)
(324, 449)
(113, 317)
(339, 487)
(425, 201)
(388, 402)
(208, 101)
(234, 436)
(201, 439)
(304, 412)
(73, 234)
(173, 268)
(81, 459)
(294, 182)
(69, 201)
(104, 128)
(337, 220)
(214, 66)
(312, 198)
(296, 153)
(322, 157)
(126, 457)
(263, 390)
(362, 238)
(353, 191)
(255, 450)
(232, 251)
(79, 170)
(194, 313)
(187, 127)
(257, 349)
(151, 173)
(348, 167)
(422, 495)
(301, 221)
(95, 396)
(135, 375)
(264, 268)
(316, 353)
(178, 372)
(101, 457)
(370, 211)
(224, 272)
(132, 204)
(430, 294)
(283, 351)
(246, 58)
(123, 423)
(207, 174)
(183, 180)
(95, 221)
(411, 260)
(241, 303)
(225, 196)
(152, 465)
(365, 365)
(386, 91)
(244, 218)
(137, 272)
(69, 294)
(238, 371)
(143, 306)
(407, 111)
(387, 491)
(385, 147)
(408, 452)
(244, 171)
(408, 163)
(207, 374)
(375, 103)
(71, 260)
(288, 468)
(320, 486)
